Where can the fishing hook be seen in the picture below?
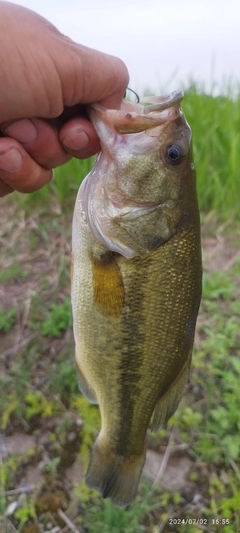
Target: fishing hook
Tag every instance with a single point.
(132, 91)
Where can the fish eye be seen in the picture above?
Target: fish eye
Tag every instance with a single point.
(174, 154)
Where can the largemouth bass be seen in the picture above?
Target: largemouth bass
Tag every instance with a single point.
(136, 282)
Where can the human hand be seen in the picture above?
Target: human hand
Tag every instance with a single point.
(46, 81)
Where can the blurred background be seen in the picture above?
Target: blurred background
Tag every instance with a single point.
(164, 44)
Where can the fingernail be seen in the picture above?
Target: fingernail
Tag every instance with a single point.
(76, 141)
(11, 161)
(23, 131)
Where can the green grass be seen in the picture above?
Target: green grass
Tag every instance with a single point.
(61, 192)
(14, 272)
(7, 319)
(56, 320)
(215, 123)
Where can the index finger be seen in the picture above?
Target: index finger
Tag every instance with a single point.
(96, 77)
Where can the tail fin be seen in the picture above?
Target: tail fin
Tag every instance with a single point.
(113, 475)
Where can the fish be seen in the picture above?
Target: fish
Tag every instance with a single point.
(135, 282)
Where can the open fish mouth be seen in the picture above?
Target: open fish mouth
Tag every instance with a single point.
(149, 112)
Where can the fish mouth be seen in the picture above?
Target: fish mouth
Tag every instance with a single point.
(135, 117)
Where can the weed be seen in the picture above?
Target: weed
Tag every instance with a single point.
(12, 407)
(59, 318)
(217, 285)
(7, 319)
(117, 520)
(64, 381)
(25, 512)
(91, 420)
(14, 272)
(51, 467)
(38, 404)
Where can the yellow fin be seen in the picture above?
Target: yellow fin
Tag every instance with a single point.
(114, 475)
(84, 386)
(108, 286)
(168, 403)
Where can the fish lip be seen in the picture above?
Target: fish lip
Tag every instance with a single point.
(160, 103)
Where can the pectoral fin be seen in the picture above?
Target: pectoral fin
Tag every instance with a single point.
(168, 403)
(84, 387)
(108, 288)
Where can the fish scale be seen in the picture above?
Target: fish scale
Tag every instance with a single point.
(136, 284)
